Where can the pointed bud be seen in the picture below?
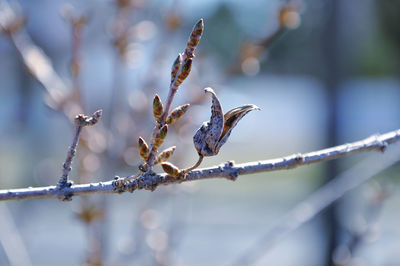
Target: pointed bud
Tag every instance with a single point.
(165, 155)
(143, 149)
(175, 67)
(187, 66)
(194, 38)
(160, 136)
(157, 108)
(177, 113)
(171, 169)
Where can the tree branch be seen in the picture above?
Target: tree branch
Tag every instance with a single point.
(229, 170)
(80, 122)
(319, 200)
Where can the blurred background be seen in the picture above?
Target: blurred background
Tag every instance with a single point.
(323, 72)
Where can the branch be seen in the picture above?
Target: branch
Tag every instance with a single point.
(319, 200)
(80, 122)
(229, 170)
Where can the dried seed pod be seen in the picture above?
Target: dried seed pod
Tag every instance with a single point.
(160, 136)
(165, 155)
(175, 67)
(231, 118)
(214, 133)
(157, 108)
(177, 113)
(194, 38)
(171, 169)
(182, 75)
(143, 148)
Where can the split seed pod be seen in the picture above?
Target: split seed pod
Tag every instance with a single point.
(177, 113)
(143, 148)
(171, 169)
(165, 155)
(160, 136)
(214, 133)
(157, 108)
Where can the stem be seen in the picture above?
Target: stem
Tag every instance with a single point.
(149, 180)
(197, 164)
(171, 94)
(70, 156)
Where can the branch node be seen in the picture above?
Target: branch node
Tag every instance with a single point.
(295, 160)
(84, 120)
(231, 172)
(119, 184)
(380, 145)
(64, 196)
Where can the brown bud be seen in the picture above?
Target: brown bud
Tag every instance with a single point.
(177, 113)
(194, 38)
(143, 148)
(157, 108)
(187, 66)
(171, 169)
(160, 136)
(175, 67)
(165, 155)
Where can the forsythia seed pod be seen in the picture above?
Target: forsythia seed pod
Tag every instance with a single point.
(177, 113)
(143, 149)
(175, 67)
(165, 155)
(171, 169)
(187, 66)
(160, 136)
(194, 38)
(157, 108)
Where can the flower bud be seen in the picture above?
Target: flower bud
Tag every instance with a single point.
(194, 38)
(175, 67)
(171, 169)
(143, 149)
(177, 113)
(165, 155)
(160, 136)
(187, 66)
(157, 108)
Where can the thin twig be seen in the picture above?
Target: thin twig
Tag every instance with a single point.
(150, 180)
(80, 122)
(70, 156)
(309, 208)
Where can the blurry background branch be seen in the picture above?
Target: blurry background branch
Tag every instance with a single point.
(11, 239)
(229, 170)
(38, 64)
